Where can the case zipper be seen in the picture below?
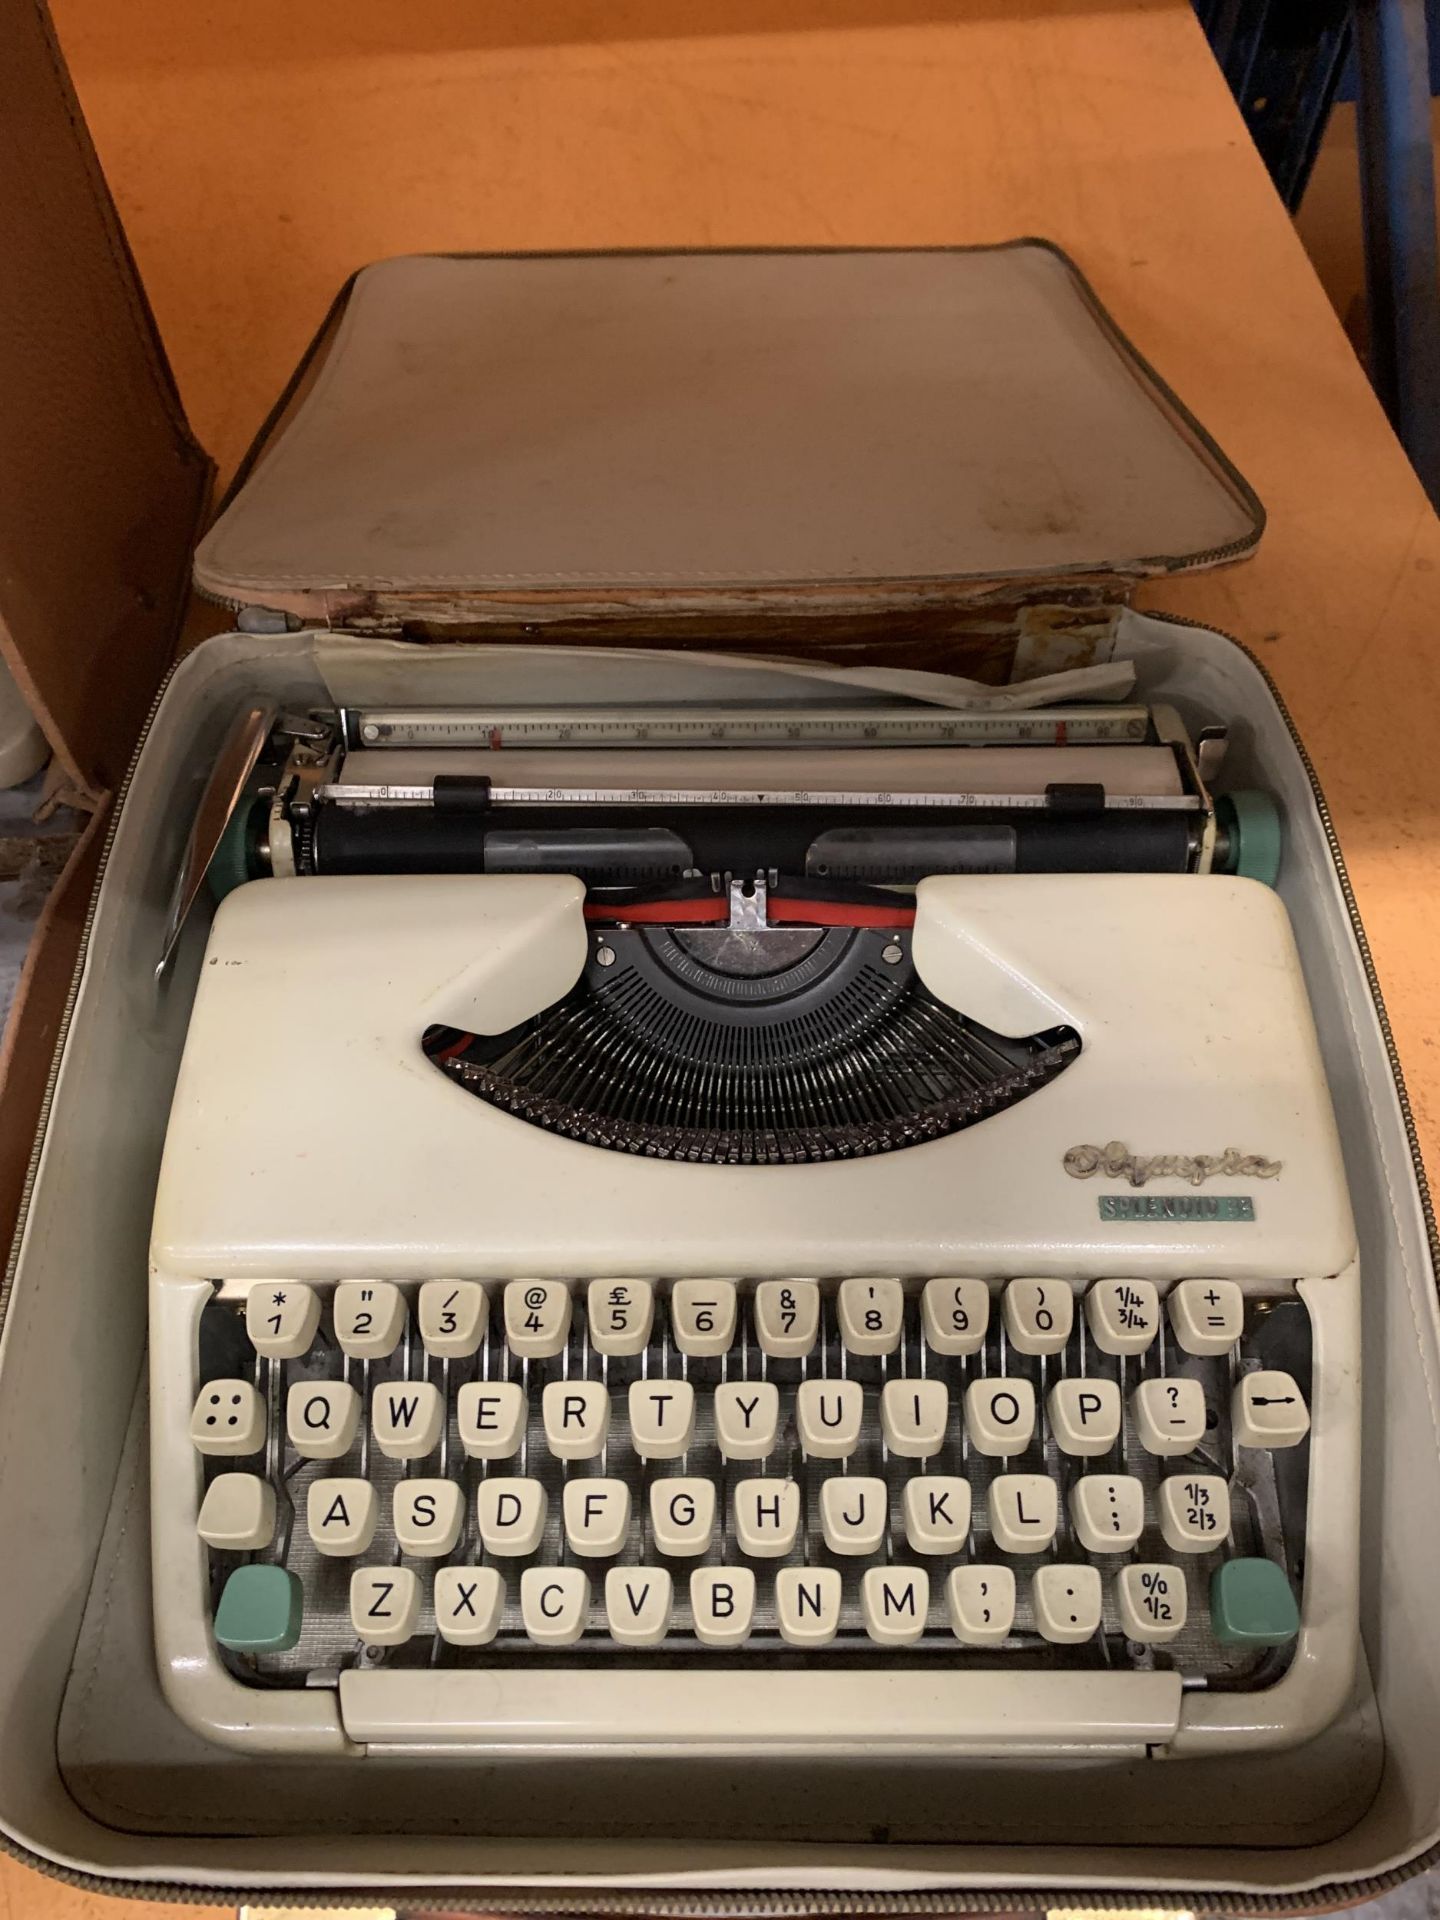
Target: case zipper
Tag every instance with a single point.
(761, 1905)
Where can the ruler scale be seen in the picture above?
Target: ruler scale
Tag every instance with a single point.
(759, 726)
(424, 796)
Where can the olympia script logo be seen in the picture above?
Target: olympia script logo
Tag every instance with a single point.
(1116, 1162)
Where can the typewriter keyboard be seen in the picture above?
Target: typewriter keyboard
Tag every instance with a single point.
(1103, 1474)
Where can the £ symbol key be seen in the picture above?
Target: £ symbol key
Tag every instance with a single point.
(620, 1314)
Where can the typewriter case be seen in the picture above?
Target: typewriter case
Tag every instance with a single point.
(429, 519)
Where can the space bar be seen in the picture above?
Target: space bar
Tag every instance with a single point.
(653, 1709)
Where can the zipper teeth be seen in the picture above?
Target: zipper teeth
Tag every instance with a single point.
(763, 1904)
(1213, 557)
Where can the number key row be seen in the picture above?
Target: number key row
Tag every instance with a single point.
(1122, 1317)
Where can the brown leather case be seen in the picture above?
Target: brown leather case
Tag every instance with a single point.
(102, 492)
(102, 486)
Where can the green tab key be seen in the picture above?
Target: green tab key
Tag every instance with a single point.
(260, 1610)
(1251, 1605)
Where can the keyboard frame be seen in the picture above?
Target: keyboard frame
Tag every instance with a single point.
(708, 1707)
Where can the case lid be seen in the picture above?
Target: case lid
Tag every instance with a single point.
(102, 488)
(477, 435)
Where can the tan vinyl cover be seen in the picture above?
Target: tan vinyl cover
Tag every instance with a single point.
(690, 427)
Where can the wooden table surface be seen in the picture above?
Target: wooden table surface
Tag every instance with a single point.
(260, 153)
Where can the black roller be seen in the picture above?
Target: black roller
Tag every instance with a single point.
(640, 845)
(417, 840)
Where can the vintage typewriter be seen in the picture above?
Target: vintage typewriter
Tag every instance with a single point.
(750, 1230)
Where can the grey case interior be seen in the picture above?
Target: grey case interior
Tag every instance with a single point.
(95, 1773)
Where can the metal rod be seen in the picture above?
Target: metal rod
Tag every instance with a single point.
(1397, 192)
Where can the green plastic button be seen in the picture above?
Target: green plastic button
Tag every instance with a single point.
(1251, 1605)
(260, 1610)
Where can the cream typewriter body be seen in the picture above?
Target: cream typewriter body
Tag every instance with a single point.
(625, 1279)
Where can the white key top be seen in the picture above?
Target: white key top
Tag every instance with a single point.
(828, 1414)
(620, 1314)
(895, 1604)
(1206, 1316)
(511, 1515)
(1039, 1315)
(229, 1419)
(767, 1517)
(340, 1515)
(871, 1314)
(1000, 1416)
(981, 1601)
(491, 1418)
(722, 1605)
(322, 1418)
(1024, 1512)
(747, 1418)
(237, 1514)
(1169, 1415)
(577, 1418)
(1267, 1410)
(854, 1512)
(913, 1417)
(597, 1517)
(1068, 1603)
(428, 1516)
(1107, 1512)
(369, 1318)
(702, 1316)
(662, 1418)
(1152, 1603)
(955, 1315)
(637, 1605)
(469, 1605)
(1194, 1512)
(787, 1317)
(452, 1316)
(554, 1604)
(1123, 1315)
(537, 1318)
(937, 1512)
(282, 1317)
(682, 1516)
(384, 1604)
(1084, 1416)
(807, 1605)
(406, 1417)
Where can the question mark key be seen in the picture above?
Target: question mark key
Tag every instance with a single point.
(1169, 1415)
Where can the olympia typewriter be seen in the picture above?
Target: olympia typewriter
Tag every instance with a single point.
(761, 1125)
(750, 1227)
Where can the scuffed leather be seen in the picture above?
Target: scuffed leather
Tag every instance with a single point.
(101, 484)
